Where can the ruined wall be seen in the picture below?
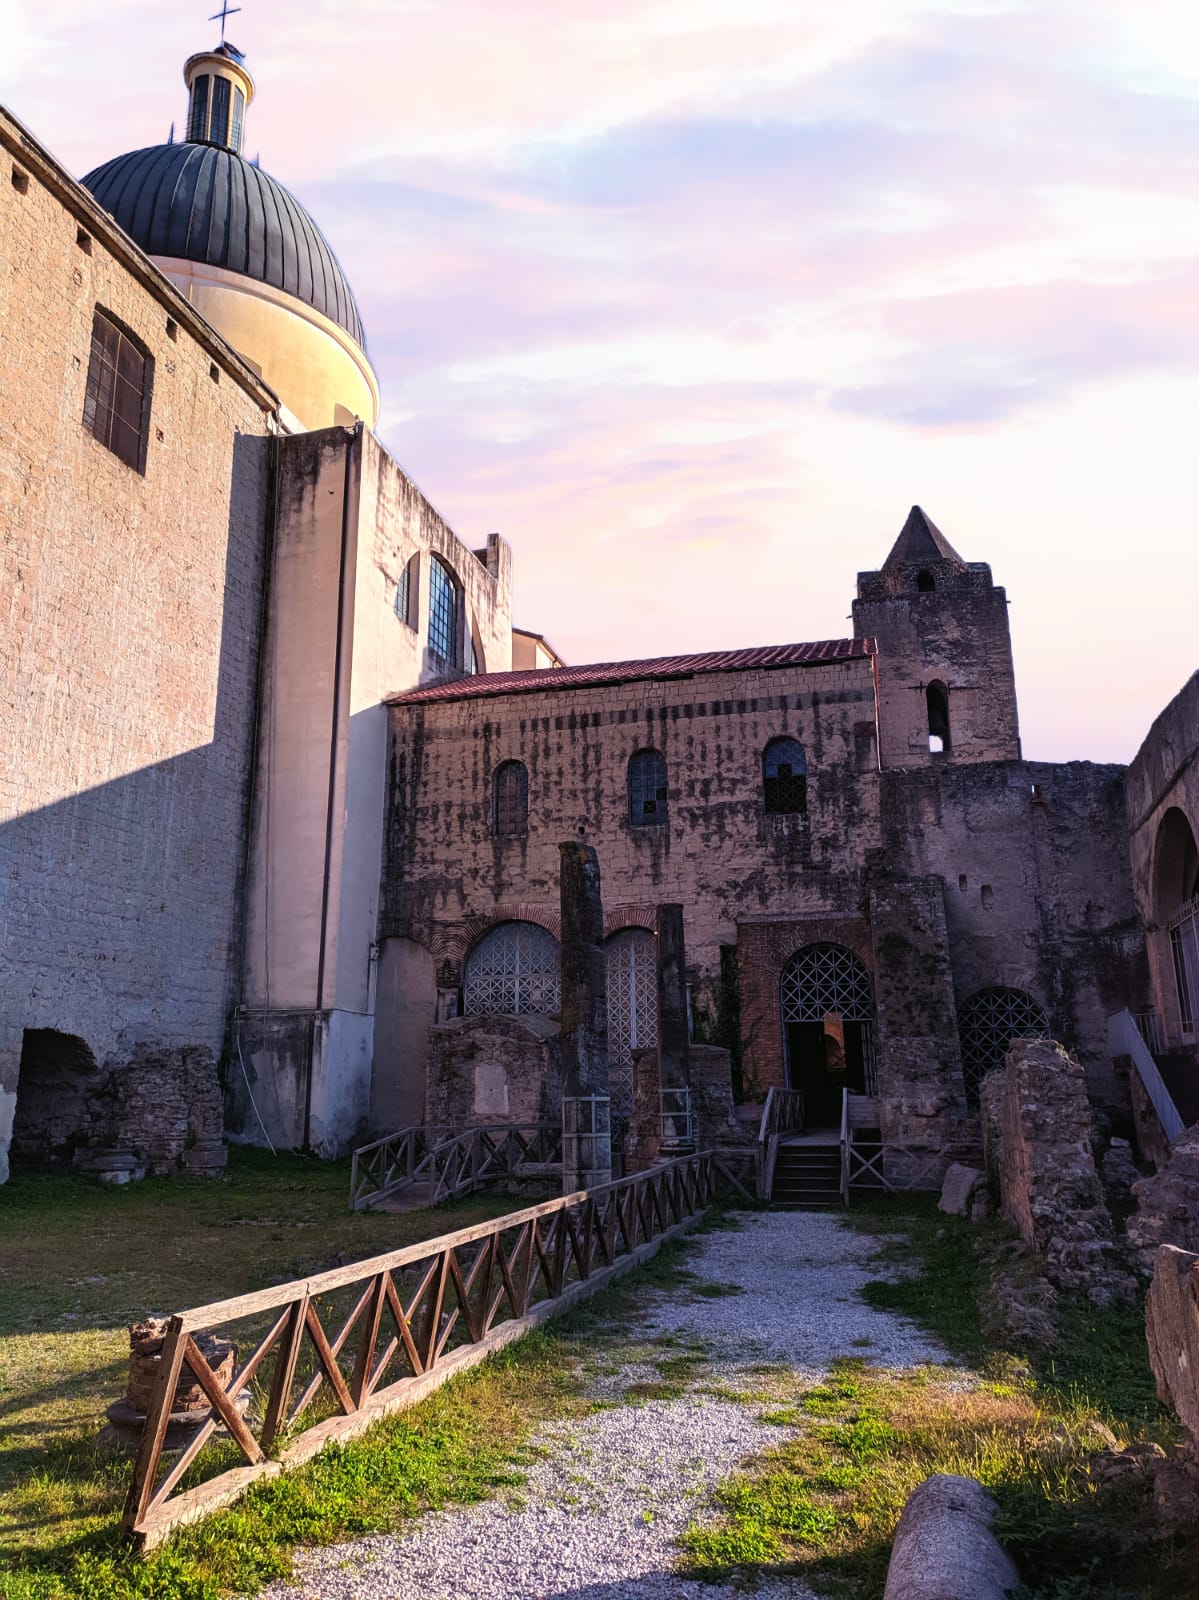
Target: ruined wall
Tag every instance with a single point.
(486, 1070)
(131, 622)
(1037, 891)
(1163, 778)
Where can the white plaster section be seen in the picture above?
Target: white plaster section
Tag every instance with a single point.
(8, 1108)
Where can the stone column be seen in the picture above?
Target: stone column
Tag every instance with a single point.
(674, 1044)
(586, 1107)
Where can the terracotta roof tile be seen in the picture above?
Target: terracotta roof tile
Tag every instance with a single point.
(763, 658)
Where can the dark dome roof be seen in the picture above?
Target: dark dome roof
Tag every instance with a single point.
(201, 202)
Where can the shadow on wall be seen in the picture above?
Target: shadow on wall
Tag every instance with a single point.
(122, 902)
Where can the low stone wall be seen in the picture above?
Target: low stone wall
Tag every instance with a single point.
(1168, 1203)
(1037, 1127)
(488, 1070)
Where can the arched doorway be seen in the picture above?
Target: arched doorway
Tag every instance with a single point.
(632, 1008)
(987, 1024)
(828, 1029)
(1176, 908)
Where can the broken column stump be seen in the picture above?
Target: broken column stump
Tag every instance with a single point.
(190, 1407)
(586, 1103)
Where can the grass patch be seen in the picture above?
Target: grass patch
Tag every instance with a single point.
(1025, 1423)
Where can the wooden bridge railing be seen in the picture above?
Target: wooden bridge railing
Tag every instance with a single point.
(782, 1114)
(452, 1161)
(331, 1353)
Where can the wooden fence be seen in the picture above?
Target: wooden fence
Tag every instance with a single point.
(453, 1161)
(332, 1353)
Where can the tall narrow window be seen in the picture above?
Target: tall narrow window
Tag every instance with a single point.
(218, 132)
(443, 612)
(116, 399)
(510, 800)
(239, 111)
(785, 778)
(925, 583)
(407, 590)
(937, 698)
(647, 789)
(197, 127)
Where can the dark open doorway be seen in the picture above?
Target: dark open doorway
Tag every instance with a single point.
(58, 1073)
(828, 1014)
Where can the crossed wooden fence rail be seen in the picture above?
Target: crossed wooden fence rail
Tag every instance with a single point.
(416, 1316)
(451, 1160)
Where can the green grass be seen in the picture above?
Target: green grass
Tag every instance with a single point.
(824, 1504)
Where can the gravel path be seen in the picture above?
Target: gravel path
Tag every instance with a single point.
(599, 1514)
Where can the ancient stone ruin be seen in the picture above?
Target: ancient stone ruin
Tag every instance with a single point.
(1168, 1203)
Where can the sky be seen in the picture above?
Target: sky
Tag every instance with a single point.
(690, 300)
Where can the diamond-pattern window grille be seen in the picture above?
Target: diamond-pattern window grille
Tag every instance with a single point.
(987, 1024)
(511, 805)
(513, 971)
(785, 778)
(632, 1008)
(647, 789)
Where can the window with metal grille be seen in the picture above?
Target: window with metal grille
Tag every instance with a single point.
(443, 612)
(826, 979)
(197, 126)
(647, 789)
(510, 799)
(239, 111)
(632, 962)
(987, 1024)
(218, 130)
(1184, 947)
(785, 777)
(513, 971)
(117, 395)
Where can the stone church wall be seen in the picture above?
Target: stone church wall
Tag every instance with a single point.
(131, 617)
(1037, 891)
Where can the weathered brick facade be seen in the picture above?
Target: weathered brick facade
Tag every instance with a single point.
(129, 678)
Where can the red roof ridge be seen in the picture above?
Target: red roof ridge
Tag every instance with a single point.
(545, 679)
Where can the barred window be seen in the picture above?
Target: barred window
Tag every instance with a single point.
(987, 1024)
(785, 777)
(443, 612)
(647, 789)
(239, 112)
(218, 131)
(197, 127)
(513, 971)
(116, 399)
(510, 799)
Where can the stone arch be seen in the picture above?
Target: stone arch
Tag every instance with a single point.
(629, 916)
(1175, 865)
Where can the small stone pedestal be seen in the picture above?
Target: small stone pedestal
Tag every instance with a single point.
(189, 1409)
(586, 1141)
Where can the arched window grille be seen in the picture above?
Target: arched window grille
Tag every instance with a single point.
(510, 799)
(987, 1024)
(937, 700)
(443, 611)
(647, 789)
(785, 777)
(513, 971)
(825, 980)
(632, 1008)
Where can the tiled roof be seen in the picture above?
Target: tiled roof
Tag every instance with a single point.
(763, 658)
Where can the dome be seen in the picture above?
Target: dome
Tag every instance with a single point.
(208, 204)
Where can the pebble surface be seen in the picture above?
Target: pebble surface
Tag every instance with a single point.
(601, 1510)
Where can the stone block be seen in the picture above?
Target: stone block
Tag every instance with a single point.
(958, 1189)
(1168, 1204)
(1172, 1332)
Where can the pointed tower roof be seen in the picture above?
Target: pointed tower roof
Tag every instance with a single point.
(921, 541)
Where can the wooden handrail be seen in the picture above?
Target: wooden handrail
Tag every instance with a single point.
(1124, 1039)
(417, 1316)
(453, 1159)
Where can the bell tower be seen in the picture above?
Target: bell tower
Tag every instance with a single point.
(946, 687)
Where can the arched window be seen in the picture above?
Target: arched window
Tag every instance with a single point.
(987, 1024)
(513, 971)
(937, 699)
(632, 960)
(925, 583)
(443, 611)
(647, 789)
(785, 777)
(1176, 908)
(510, 800)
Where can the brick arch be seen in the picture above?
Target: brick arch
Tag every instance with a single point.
(630, 916)
(462, 940)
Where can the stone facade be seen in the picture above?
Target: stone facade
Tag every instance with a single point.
(129, 676)
(488, 1070)
(1168, 1203)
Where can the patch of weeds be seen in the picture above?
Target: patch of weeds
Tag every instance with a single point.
(786, 1417)
(716, 1291)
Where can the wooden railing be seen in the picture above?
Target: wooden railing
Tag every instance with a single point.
(332, 1353)
(782, 1114)
(451, 1161)
(1125, 1038)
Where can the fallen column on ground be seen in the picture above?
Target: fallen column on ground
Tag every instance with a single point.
(944, 1548)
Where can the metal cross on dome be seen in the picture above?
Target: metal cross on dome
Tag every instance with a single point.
(223, 14)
